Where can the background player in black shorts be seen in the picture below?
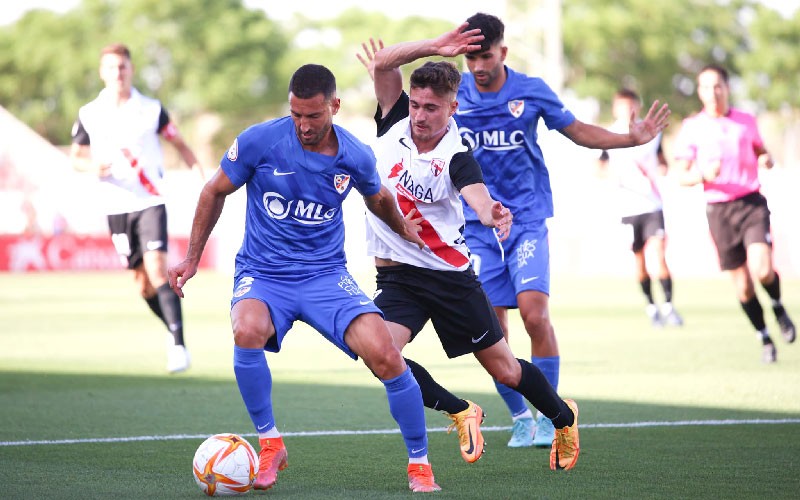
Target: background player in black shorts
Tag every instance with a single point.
(116, 137)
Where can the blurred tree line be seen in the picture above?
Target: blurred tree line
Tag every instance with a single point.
(222, 64)
(657, 48)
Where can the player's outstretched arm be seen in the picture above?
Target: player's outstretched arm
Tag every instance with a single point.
(209, 208)
(450, 44)
(383, 205)
(491, 213)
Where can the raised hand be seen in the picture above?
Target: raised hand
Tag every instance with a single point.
(654, 122)
(458, 41)
(368, 59)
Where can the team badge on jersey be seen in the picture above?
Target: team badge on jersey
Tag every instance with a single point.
(516, 107)
(233, 151)
(340, 182)
(437, 165)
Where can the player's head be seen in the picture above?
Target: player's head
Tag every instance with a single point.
(432, 96)
(626, 101)
(116, 68)
(487, 64)
(312, 103)
(713, 89)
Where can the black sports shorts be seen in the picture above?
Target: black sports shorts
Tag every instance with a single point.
(454, 301)
(735, 225)
(645, 226)
(135, 233)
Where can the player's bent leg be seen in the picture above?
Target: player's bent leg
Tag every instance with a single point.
(535, 312)
(523, 427)
(500, 363)
(252, 327)
(531, 383)
(466, 415)
(369, 338)
(773, 288)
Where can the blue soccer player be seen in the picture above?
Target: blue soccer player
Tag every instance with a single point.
(291, 266)
(499, 111)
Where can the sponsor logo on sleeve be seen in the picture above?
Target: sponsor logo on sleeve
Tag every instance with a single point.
(233, 151)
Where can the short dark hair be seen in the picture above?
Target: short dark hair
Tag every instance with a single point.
(441, 76)
(117, 49)
(492, 29)
(716, 68)
(312, 79)
(625, 93)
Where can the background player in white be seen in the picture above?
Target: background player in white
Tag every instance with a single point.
(637, 172)
(291, 266)
(116, 137)
(424, 162)
(499, 112)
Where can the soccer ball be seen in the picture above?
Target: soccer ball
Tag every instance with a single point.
(224, 465)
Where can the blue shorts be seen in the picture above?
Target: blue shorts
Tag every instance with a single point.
(328, 301)
(520, 263)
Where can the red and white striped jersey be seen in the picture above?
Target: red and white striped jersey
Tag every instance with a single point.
(429, 183)
(125, 136)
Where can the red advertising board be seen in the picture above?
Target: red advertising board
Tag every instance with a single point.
(70, 252)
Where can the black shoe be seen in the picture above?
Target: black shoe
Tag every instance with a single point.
(787, 328)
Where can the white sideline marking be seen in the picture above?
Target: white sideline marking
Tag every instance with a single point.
(176, 437)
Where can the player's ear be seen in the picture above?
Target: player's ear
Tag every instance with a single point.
(336, 103)
(453, 107)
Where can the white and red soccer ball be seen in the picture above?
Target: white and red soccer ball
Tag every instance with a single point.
(225, 465)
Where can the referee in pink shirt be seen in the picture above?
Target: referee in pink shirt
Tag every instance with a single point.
(722, 148)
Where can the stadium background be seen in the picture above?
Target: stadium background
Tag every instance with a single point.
(49, 224)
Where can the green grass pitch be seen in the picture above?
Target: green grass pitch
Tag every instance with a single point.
(88, 411)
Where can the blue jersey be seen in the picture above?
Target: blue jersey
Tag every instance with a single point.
(294, 222)
(501, 127)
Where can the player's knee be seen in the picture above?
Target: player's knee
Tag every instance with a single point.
(537, 324)
(762, 272)
(386, 363)
(249, 334)
(507, 376)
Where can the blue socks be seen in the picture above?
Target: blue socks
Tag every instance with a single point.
(514, 400)
(405, 399)
(255, 385)
(550, 367)
(405, 405)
